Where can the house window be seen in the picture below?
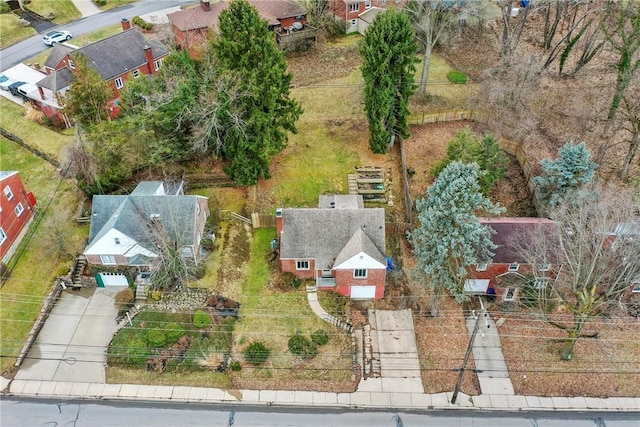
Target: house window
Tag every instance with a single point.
(514, 267)
(116, 240)
(157, 64)
(354, 7)
(3, 236)
(108, 259)
(510, 294)
(19, 209)
(481, 267)
(383, 2)
(119, 83)
(72, 65)
(302, 265)
(367, 4)
(354, 22)
(635, 289)
(136, 73)
(545, 267)
(360, 273)
(8, 193)
(540, 284)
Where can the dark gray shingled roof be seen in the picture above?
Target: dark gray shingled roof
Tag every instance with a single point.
(57, 54)
(323, 234)
(340, 201)
(120, 53)
(57, 80)
(131, 215)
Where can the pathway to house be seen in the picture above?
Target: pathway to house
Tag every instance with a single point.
(86, 7)
(488, 358)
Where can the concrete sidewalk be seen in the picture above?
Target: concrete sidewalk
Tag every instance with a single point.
(86, 7)
(359, 399)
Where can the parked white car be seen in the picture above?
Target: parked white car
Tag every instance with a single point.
(54, 37)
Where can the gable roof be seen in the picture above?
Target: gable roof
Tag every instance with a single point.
(57, 54)
(325, 234)
(133, 215)
(508, 229)
(57, 80)
(120, 53)
(359, 243)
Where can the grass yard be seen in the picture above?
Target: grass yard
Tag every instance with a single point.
(112, 4)
(63, 10)
(12, 30)
(272, 316)
(12, 119)
(97, 35)
(23, 294)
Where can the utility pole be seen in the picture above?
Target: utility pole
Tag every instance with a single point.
(468, 353)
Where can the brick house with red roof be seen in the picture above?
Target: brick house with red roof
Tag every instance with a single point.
(507, 270)
(17, 209)
(286, 18)
(358, 14)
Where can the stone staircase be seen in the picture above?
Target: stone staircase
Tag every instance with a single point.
(370, 359)
(76, 271)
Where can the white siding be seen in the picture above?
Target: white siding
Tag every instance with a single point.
(360, 261)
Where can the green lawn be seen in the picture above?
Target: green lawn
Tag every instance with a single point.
(12, 119)
(23, 294)
(112, 4)
(97, 35)
(63, 10)
(12, 31)
(272, 316)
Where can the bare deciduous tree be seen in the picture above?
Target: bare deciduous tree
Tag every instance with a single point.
(597, 241)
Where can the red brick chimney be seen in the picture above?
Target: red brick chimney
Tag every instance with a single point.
(205, 5)
(149, 57)
(126, 25)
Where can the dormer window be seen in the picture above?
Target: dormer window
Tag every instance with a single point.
(514, 267)
(72, 65)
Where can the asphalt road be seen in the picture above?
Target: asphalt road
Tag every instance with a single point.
(39, 412)
(26, 49)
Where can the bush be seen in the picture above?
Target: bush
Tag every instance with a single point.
(198, 271)
(320, 337)
(124, 298)
(302, 346)
(257, 353)
(156, 338)
(208, 243)
(137, 352)
(4, 7)
(100, 2)
(289, 282)
(173, 332)
(142, 23)
(457, 77)
(201, 319)
(235, 366)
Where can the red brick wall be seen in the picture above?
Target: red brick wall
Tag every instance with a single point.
(344, 280)
(495, 270)
(289, 265)
(95, 259)
(11, 223)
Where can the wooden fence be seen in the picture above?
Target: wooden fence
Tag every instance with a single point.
(261, 220)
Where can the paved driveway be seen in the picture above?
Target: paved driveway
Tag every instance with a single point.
(71, 345)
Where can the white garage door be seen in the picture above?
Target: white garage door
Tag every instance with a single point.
(363, 292)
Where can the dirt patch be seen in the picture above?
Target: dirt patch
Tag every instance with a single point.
(234, 259)
(531, 350)
(442, 343)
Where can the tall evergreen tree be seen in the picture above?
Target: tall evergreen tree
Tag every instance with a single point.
(450, 238)
(247, 49)
(87, 100)
(571, 170)
(388, 70)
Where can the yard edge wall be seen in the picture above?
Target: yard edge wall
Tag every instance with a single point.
(20, 141)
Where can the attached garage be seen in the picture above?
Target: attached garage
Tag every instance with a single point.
(111, 279)
(363, 292)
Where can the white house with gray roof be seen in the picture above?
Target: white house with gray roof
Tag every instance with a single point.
(340, 244)
(125, 230)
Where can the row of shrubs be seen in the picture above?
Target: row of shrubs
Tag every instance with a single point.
(257, 352)
(142, 23)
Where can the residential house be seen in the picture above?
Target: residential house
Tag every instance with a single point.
(357, 15)
(123, 56)
(286, 18)
(340, 244)
(128, 230)
(17, 209)
(508, 268)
